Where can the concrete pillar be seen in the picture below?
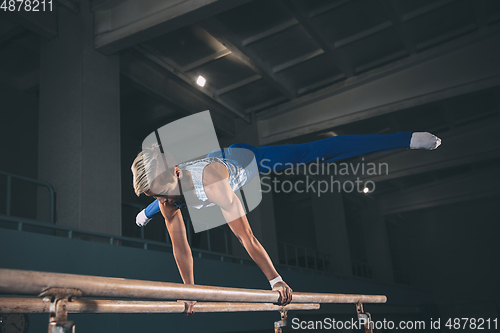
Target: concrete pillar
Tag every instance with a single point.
(79, 126)
(376, 241)
(19, 123)
(330, 226)
(261, 219)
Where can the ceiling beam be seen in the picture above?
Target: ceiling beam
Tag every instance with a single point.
(238, 84)
(43, 23)
(392, 11)
(426, 9)
(320, 84)
(152, 55)
(450, 35)
(270, 32)
(382, 61)
(122, 24)
(298, 60)
(227, 38)
(428, 76)
(151, 81)
(363, 34)
(204, 60)
(298, 10)
(327, 6)
(266, 104)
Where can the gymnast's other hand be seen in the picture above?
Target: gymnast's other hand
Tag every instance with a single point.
(285, 293)
(188, 307)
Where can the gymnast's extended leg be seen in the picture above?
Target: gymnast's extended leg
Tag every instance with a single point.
(279, 157)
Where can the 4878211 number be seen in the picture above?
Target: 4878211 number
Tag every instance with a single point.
(472, 323)
(26, 5)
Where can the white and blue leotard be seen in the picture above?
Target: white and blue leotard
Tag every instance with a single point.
(237, 176)
(279, 157)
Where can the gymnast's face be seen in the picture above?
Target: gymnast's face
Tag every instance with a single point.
(165, 187)
(167, 193)
(162, 199)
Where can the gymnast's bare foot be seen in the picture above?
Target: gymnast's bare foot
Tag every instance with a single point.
(424, 140)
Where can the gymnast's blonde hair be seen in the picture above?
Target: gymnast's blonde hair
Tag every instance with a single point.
(145, 170)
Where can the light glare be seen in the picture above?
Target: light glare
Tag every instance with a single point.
(201, 81)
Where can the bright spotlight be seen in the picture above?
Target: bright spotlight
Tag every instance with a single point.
(366, 190)
(201, 81)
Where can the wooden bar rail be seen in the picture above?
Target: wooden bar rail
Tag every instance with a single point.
(38, 305)
(14, 281)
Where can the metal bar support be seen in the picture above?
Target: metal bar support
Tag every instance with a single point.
(364, 317)
(59, 298)
(280, 323)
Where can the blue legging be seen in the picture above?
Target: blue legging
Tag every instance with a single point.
(279, 157)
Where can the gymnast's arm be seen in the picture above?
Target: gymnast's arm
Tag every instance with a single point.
(218, 191)
(147, 214)
(152, 209)
(180, 246)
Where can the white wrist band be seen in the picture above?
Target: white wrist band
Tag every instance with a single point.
(275, 280)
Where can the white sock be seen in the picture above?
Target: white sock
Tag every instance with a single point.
(141, 219)
(424, 140)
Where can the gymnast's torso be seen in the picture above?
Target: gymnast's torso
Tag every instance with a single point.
(237, 177)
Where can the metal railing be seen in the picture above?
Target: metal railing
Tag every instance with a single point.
(316, 261)
(188, 230)
(402, 278)
(299, 256)
(27, 225)
(10, 176)
(293, 255)
(361, 269)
